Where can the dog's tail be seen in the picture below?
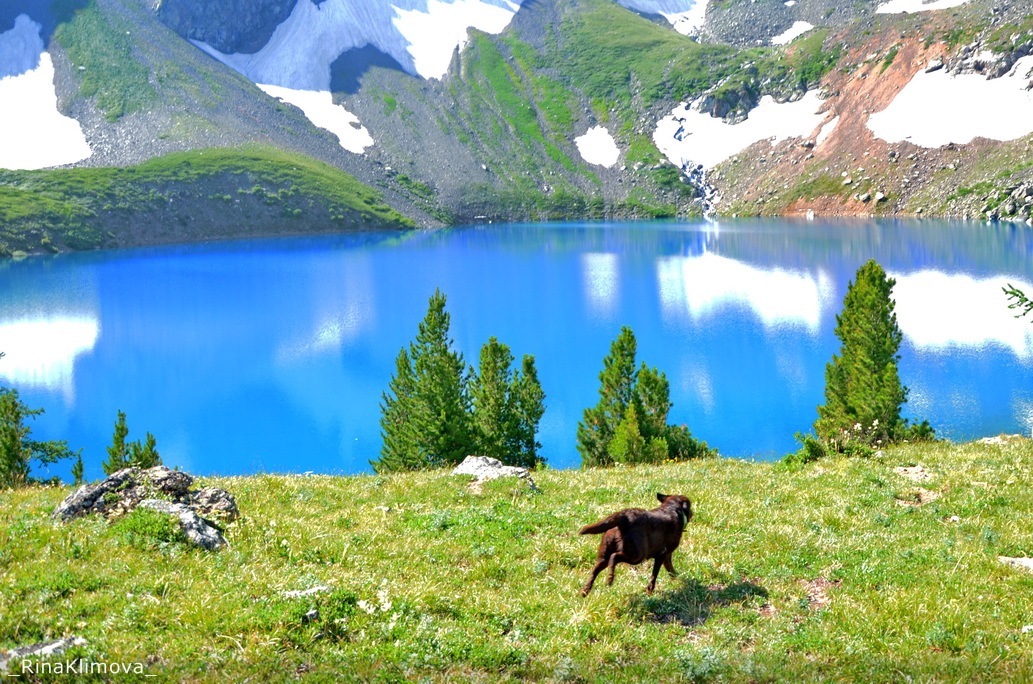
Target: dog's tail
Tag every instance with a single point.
(615, 520)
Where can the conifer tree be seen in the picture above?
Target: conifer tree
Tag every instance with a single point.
(146, 455)
(426, 418)
(863, 392)
(528, 408)
(118, 452)
(629, 424)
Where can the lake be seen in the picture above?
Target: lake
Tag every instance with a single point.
(271, 355)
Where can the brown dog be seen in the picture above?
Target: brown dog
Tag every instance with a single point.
(634, 534)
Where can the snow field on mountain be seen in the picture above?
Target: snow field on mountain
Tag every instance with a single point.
(790, 34)
(688, 137)
(598, 147)
(938, 108)
(34, 134)
(319, 108)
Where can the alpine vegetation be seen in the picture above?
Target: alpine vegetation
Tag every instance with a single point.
(122, 454)
(437, 411)
(863, 392)
(629, 424)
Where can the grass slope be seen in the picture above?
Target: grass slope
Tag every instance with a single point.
(201, 194)
(813, 574)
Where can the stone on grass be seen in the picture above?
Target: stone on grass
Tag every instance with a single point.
(41, 650)
(1021, 563)
(199, 531)
(161, 489)
(484, 468)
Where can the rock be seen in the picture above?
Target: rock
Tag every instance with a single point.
(1021, 563)
(864, 197)
(302, 593)
(199, 531)
(40, 650)
(880, 197)
(485, 468)
(161, 489)
(1027, 629)
(934, 65)
(212, 502)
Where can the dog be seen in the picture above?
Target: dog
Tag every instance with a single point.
(635, 534)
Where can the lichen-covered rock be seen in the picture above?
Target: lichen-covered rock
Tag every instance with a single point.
(161, 489)
(214, 503)
(123, 491)
(199, 531)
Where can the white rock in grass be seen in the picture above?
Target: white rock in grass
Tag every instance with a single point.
(1022, 563)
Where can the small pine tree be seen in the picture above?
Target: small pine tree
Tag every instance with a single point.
(629, 424)
(426, 423)
(528, 409)
(78, 470)
(17, 448)
(616, 392)
(863, 393)
(146, 455)
(118, 452)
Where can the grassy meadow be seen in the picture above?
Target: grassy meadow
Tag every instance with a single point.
(839, 570)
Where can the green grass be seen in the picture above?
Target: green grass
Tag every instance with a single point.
(73, 207)
(100, 49)
(814, 573)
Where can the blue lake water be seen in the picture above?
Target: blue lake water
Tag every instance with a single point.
(271, 355)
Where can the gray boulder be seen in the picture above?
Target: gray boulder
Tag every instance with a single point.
(199, 531)
(161, 489)
(484, 468)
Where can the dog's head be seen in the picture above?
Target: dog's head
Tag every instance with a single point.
(680, 503)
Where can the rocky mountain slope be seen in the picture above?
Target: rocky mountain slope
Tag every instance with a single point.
(469, 110)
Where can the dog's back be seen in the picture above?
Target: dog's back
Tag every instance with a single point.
(634, 535)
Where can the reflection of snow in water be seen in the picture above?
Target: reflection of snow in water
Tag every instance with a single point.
(937, 311)
(700, 286)
(601, 281)
(41, 353)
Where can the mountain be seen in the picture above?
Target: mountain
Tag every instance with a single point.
(431, 112)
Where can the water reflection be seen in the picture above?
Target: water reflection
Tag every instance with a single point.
(700, 286)
(937, 311)
(40, 353)
(601, 282)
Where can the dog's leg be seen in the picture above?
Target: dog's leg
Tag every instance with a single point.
(616, 557)
(670, 566)
(657, 562)
(591, 579)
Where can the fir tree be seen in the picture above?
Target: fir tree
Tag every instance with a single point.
(426, 418)
(616, 392)
(494, 418)
(78, 470)
(118, 452)
(629, 424)
(863, 393)
(146, 455)
(17, 448)
(528, 409)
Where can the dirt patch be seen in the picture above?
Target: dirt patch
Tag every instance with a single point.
(914, 473)
(1002, 440)
(817, 591)
(919, 496)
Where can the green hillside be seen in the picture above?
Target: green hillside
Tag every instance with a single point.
(843, 570)
(201, 194)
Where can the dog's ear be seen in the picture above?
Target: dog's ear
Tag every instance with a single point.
(660, 497)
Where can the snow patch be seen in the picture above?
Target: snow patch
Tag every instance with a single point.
(826, 130)
(435, 34)
(938, 311)
(33, 133)
(789, 35)
(698, 286)
(420, 35)
(688, 137)
(319, 108)
(909, 6)
(938, 108)
(41, 352)
(598, 147)
(685, 16)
